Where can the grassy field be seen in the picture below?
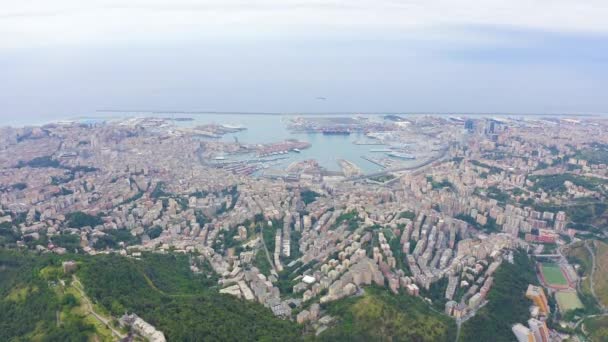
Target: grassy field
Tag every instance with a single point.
(568, 301)
(600, 278)
(553, 274)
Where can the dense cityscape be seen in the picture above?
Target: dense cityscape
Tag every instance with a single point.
(482, 227)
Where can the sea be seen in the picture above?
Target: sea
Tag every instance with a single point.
(262, 129)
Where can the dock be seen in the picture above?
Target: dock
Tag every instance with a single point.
(369, 143)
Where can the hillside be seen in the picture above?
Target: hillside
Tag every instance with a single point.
(163, 291)
(378, 315)
(31, 310)
(159, 288)
(600, 276)
(579, 254)
(507, 303)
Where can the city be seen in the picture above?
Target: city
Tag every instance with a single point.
(303, 170)
(483, 194)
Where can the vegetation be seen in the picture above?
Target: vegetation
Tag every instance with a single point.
(596, 154)
(309, 196)
(162, 290)
(379, 315)
(495, 193)
(382, 178)
(154, 232)
(600, 279)
(440, 185)
(408, 215)
(555, 183)
(350, 219)
(80, 219)
(48, 161)
(159, 191)
(261, 262)
(396, 248)
(39, 162)
(583, 215)
(30, 301)
(491, 169)
(507, 303)
(8, 235)
(597, 328)
(114, 238)
(489, 227)
(553, 274)
(568, 300)
(70, 242)
(577, 254)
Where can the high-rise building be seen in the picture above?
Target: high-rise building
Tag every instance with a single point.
(539, 329)
(537, 295)
(469, 125)
(522, 333)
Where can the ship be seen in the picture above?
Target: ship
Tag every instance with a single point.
(336, 131)
(235, 127)
(401, 155)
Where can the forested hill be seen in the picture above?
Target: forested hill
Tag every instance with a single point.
(163, 291)
(159, 288)
(507, 303)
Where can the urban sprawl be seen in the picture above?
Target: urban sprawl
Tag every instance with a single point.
(456, 197)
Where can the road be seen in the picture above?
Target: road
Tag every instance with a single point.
(89, 308)
(408, 168)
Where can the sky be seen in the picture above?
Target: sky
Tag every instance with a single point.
(67, 58)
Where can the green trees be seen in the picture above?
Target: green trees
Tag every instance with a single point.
(79, 219)
(28, 304)
(379, 315)
(159, 288)
(162, 290)
(309, 196)
(507, 303)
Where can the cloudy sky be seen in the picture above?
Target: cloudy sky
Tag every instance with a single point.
(63, 58)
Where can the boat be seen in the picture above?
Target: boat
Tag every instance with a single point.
(401, 155)
(381, 150)
(297, 150)
(235, 127)
(336, 131)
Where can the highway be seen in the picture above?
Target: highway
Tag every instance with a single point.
(407, 168)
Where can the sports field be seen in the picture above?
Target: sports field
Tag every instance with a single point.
(553, 274)
(568, 300)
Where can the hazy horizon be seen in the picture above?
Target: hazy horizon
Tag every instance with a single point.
(70, 59)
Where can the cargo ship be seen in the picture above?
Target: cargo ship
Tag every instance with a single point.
(404, 156)
(336, 131)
